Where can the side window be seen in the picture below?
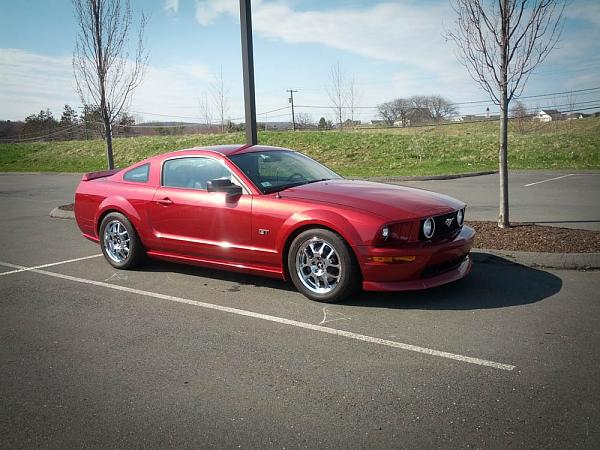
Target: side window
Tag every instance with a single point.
(138, 175)
(193, 173)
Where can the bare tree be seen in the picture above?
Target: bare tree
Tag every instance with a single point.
(387, 112)
(353, 97)
(441, 108)
(520, 116)
(219, 94)
(337, 93)
(205, 111)
(501, 42)
(394, 111)
(105, 77)
(304, 121)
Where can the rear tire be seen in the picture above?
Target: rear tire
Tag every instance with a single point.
(119, 241)
(321, 266)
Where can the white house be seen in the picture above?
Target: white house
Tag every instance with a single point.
(548, 115)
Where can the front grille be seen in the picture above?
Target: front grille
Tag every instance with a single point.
(446, 266)
(445, 226)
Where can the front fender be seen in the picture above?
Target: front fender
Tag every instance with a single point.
(314, 218)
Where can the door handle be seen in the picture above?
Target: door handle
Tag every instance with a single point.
(165, 201)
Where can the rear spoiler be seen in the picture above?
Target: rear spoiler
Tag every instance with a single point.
(101, 174)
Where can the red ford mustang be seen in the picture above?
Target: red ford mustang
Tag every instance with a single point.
(275, 212)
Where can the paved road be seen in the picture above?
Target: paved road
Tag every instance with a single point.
(175, 356)
(557, 198)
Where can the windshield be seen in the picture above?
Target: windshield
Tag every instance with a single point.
(275, 170)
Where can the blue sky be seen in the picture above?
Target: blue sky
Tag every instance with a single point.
(391, 48)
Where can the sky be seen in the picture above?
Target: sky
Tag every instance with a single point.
(392, 49)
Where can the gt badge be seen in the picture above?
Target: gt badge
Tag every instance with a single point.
(449, 221)
(263, 231)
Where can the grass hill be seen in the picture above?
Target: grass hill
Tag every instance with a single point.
(452, 148)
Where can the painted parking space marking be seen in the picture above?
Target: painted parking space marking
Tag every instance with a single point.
(281, 320)
(549, 179)
(25, 269)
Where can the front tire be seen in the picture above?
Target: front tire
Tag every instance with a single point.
(119, 241)
(321, 266)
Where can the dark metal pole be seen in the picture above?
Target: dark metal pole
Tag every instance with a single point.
(248, 70)
(291, 91)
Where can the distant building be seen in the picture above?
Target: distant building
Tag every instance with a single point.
(577, 115)
(351, 123)
(548, 115)
(415, 116)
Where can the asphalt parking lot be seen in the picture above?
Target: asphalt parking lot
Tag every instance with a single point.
(554, 198)
(176, 356)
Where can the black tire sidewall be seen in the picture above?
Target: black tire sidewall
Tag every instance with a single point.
(348, 281)
(134, 244)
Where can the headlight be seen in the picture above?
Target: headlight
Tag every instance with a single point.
(460, 216)
(394, 233)
(385, 233)
(428, 228)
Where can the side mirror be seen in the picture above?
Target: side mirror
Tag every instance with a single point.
(224, 185)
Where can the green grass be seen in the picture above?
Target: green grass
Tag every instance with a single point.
(443, 149)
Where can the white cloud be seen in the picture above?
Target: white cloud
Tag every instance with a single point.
(171, 6)
(586, 11)
(171, 90)
(30, 82)
(207, 11)
(408, 32)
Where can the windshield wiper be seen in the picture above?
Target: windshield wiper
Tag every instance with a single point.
(291, 185)
(316, 181)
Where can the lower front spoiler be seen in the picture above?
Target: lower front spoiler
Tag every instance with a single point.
(423, 283)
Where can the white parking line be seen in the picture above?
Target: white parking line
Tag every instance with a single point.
(549, 179)
(25, 269)
(294, 323)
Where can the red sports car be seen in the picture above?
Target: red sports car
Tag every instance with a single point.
(275, 212)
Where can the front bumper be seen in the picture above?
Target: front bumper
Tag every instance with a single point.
(434, 264)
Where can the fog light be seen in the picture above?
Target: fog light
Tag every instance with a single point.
(428, 228)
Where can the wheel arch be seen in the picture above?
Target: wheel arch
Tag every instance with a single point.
(302, 228)
(118, 205)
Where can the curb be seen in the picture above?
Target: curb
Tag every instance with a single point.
(428, 177)
(58, 213)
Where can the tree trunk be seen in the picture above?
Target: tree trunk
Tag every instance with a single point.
(109, 148)
(503, 219)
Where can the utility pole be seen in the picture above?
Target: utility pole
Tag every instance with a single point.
(291, 100)
(248, 71)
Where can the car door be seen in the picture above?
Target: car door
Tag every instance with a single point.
(189, 221)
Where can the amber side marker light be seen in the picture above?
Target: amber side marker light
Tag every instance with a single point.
(392, 259)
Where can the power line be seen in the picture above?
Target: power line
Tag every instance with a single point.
(464, 103)
(46, 135)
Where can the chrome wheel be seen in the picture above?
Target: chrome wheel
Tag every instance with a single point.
(318, 266)
(116, 241)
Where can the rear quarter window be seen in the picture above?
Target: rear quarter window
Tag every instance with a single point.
(138, 174)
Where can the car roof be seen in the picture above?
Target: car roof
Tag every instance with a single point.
(226, 150)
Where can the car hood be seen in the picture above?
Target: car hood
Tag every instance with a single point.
(386, 200)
